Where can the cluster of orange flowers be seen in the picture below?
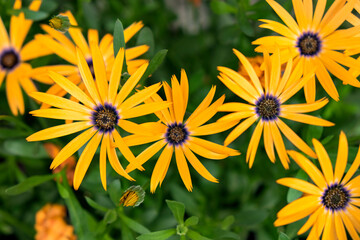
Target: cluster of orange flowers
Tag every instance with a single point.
(50, 224)
(309, 47)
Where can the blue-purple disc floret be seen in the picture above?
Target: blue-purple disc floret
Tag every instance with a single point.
(105, 117)
(267, 107)
(176, 134)
(309, 44)
(336, 197)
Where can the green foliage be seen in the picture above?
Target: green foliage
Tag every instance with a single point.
(119, 40)
(28, 184)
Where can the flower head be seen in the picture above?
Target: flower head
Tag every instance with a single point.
(331, 200)
(13, 56)
(315, 42)
(99, 114)
(65, 48)
(175, 134)
(266, 105)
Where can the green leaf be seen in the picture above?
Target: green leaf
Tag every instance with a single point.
(283, 236)
(196, 236)
(119, 40)
(114, 191)
(327, 139)
(228, 221)
(62, 190)
(178, 210)
(110, 216)
(28, 184)
(146, 37)
(22, 148)
(159, 235)
(95, 205)
(295, 194)
(154, 64)
(135, 226)
(191, 221)
(29, 14)
(221, 7)
(313, 132)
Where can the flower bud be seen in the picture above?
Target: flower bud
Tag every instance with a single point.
(60, 23)
(133, 196)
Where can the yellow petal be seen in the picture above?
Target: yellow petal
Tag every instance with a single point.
(279, 145)
(76, 35)
(60, 114)
(342, 157)
(339, 226)
(183, 168)
(349, 226)
(34, 49)
(60, 37)
(202, 151)
(236, 88)
(325, 161)
(85, 160)
(236, 107)
(312, 220)
(130, 31)
(269, 142)
(299, 205)
(212, 128)
(194, 161)
(184, 84)
(145, 155)
(14, 94)
(204, 104)
(300, 185)
(72, 89)
(115, 76)
(214, 147)
(304, 107)
(134, 52)
(285, 16)
(72, 147)
(254, 143)
(4, 38)
(309, 168)
(102, 163)
(354, 167)
(161, 168)
(278, 27)
(135, 140)
(114, 161)
(100, 71)
(125, 151)
(295, 139)
(144, 109)
(178, 101)
(130, 84)
(303, 118)
(58, 131)
(60, 102)
(242, 127)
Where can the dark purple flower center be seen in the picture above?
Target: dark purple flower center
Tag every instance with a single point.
(9, 59)
(105, 117)
(267, 107)
(335, 197)
(309, 44)
(176, 134)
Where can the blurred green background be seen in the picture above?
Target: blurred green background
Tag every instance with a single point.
(199, 37)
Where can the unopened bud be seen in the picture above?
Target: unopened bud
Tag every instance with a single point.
(60, 23)
(133, 196)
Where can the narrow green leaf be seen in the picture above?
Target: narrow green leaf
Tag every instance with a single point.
(29, 14)
(17, 122)
(228, 221)
(119, 40)
(159, 235)
(196, 236)
(221, 7)
(114, 191)
(28, 184)
(110, 216)
(283, 236)
(293, 194)
(22, 148)
(146, 37)
(313, 132)
(95, 205)
(191, 221)
(62, 190)
(135, 226)
(154, 64)
(178, 210)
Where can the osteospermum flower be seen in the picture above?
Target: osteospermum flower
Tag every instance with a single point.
(180, 135)
(315, 42)
(66, 49)
(331, 201)
(266, 105)
(97, 116)
(13, 57)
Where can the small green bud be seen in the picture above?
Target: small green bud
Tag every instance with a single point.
(60, 23)
(133, 196)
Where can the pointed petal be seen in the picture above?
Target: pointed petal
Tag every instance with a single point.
(85, 160)
(14, 94)
(342, 157)
(254, 143)
(183, 168)
(303, 118)
(212, 128)
(339, 227)
(116, 75)
(131, 30)
(58, 131)
(140, 96)
(354, 167)
(100, 71)
(197, 165)
(269, 142)
(61, 114)
(72, 147)
(214, 147)
(102, 163)
(161, 168)
(206, 153)
(76, 35)
(304, 107)
(178, 101)
(204, 104)
(242, 127)
(311, 220)
(144, 109)
(309, 168)
(300, 185)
